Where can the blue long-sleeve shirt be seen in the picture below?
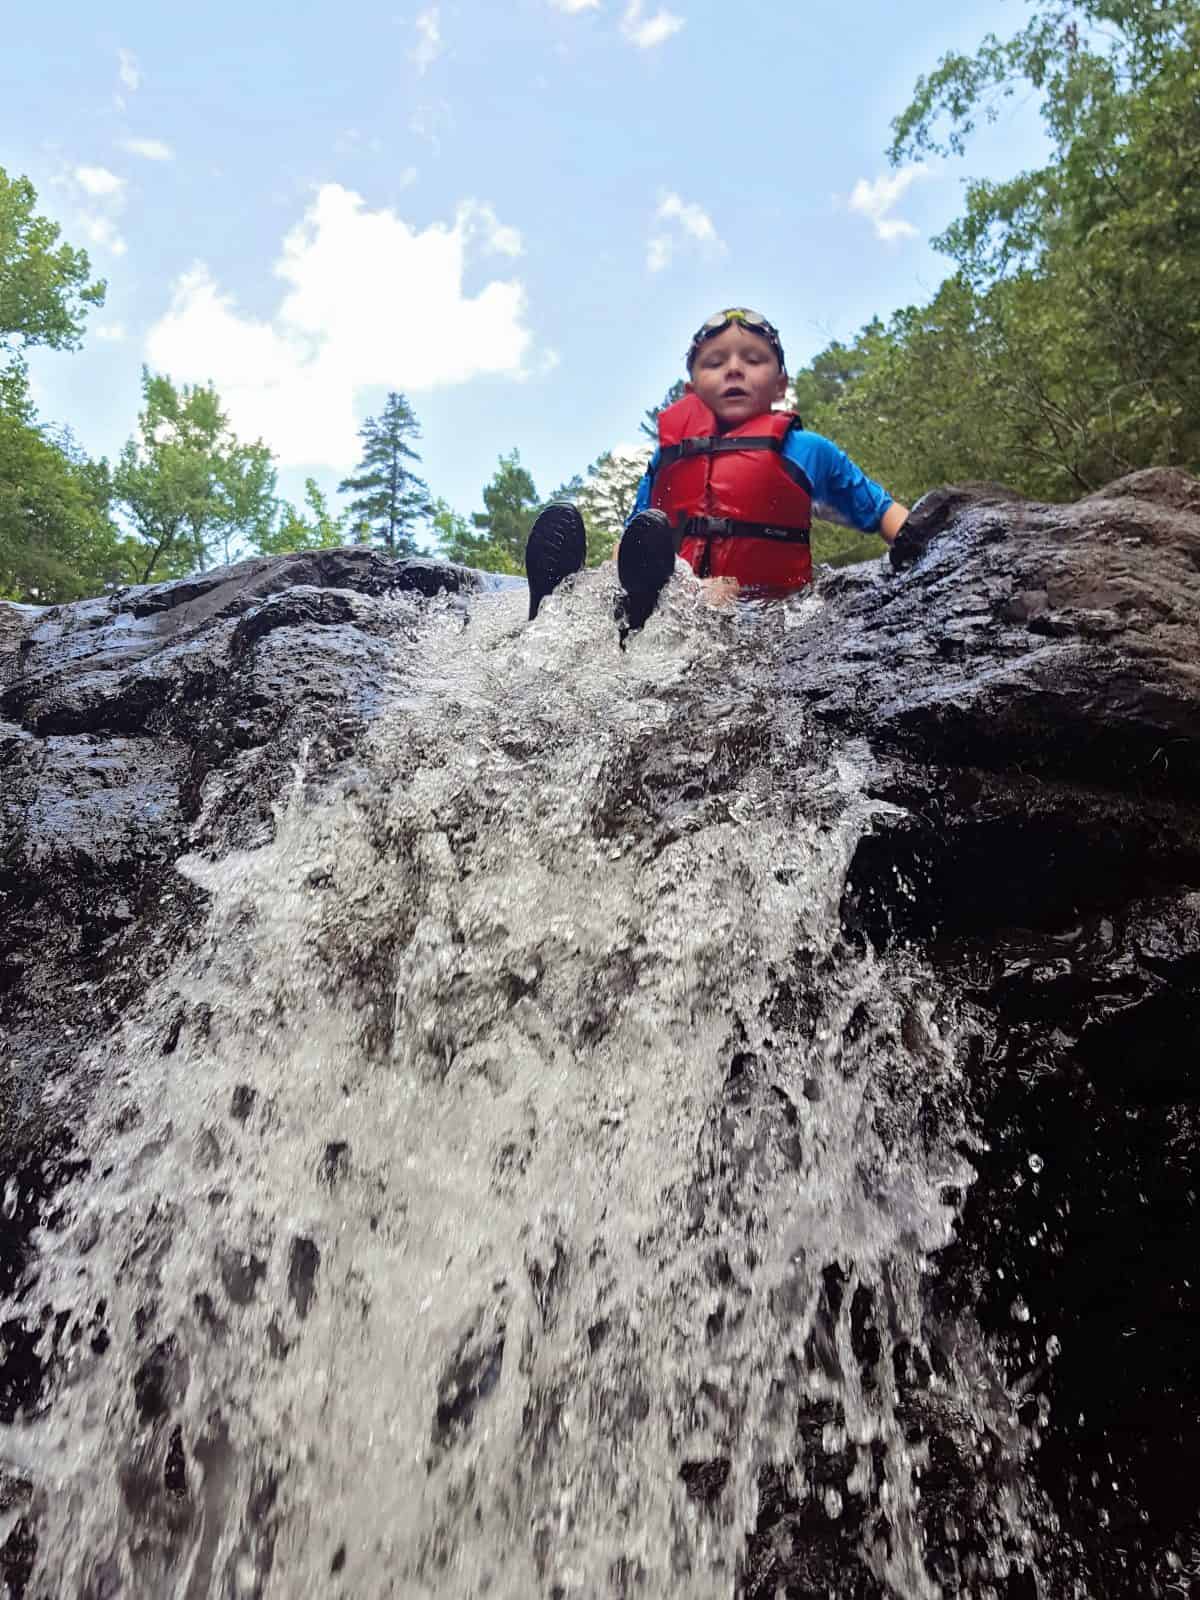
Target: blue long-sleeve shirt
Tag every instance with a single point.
(841, 490)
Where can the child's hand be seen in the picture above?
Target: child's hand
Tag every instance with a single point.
(907, 547)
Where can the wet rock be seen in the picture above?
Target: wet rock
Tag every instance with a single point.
(1034, 708)
(1053, 640)
(1027, 693)
(133, 727)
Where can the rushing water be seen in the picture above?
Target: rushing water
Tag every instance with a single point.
(521, 1170)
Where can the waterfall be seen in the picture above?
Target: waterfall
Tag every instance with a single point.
(522, 1183)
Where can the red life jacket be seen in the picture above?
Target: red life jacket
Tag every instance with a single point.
(741, 510)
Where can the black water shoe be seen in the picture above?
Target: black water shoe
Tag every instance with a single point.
(645, 561)
(557, 547)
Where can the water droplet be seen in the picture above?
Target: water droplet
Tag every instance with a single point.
(1053, 1347)
(246, 1577)
(833, 1504)
(1019, 1311)
(1036, 1163)
(833, 1438)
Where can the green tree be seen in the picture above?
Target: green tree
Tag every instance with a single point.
(44, 288)
(459, 541)
(495, 538)
(187, 484)
(829, 374)
(606, 498)
(57, 540)
(898, 423)
(320, 530)
(1086, 270)
(388, 496)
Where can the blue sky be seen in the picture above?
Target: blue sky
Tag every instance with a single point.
(516, 211)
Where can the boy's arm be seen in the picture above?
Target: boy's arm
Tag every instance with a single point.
(645, 489)
(841, 489)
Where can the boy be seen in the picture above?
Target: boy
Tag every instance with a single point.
(731, 486)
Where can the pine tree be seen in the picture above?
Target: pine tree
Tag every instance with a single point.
(389, 498)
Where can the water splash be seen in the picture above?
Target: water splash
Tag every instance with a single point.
(522, 1169)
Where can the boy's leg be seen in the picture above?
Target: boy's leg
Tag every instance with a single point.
(645, 561)
(556, 548)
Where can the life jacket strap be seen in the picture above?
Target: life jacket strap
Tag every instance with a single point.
(728, 528)
(715, 445)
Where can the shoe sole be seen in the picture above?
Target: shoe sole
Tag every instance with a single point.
(556, 549)
(645, 562)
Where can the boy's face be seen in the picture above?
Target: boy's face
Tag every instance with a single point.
(737, 375)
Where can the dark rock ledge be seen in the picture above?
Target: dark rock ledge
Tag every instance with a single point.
(1030, 691)
(132, 728)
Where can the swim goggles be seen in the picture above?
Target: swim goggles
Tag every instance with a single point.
(725, 319)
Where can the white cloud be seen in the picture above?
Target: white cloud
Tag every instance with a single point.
(99, 182)
(429, 39)
(875, 199)
(690, 220)
(658, 252)
(110, 332)
(481, 221)
(99, 196)
(128, 70)
(693, 219)
(574, 7)
(102, 232)
(368, 302)
(148, 149)
(646, 32)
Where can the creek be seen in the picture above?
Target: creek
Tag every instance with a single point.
(521, 1169)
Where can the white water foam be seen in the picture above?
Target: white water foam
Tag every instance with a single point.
(522, 1103)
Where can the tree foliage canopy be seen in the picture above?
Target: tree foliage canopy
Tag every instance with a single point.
(494, 539)
(44, 287)
(189, 487)
(57, 540)
(605, 495)
(1065, 348)
(320, 530)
